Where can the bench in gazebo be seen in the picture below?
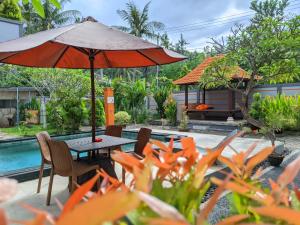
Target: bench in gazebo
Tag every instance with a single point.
(205, 110)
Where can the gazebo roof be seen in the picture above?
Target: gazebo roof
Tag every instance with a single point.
(194, 76)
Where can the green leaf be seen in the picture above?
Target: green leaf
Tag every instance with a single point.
(56, 3)
(38, 6)
(25, 2)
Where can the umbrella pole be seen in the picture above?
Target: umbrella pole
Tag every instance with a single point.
(92, 59)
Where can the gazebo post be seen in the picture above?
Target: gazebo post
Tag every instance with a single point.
(186, 102)
(203, 96)
(92, 59)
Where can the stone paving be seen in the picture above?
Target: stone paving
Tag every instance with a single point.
(4, 136)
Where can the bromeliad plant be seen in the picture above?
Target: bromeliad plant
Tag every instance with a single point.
(167, 187)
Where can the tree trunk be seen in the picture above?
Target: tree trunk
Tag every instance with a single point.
(245, 111)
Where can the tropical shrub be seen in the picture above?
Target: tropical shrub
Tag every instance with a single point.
(256, 107)
(161, 88)
(122, 118)
(184, 122)
(55, 116)
(10, 9)
(100, 113)
(136, 99)
(160, 95)
(278, 113)
(130, 96)
(171, 110)
(143, 116)
(34, 104)
(120, 87)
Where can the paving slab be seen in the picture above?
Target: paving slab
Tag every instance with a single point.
(211, 140)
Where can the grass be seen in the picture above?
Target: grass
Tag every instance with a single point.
(26, 130)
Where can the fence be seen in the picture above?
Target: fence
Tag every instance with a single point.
(219, 98)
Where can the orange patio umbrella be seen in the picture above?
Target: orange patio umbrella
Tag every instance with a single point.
(86, 45)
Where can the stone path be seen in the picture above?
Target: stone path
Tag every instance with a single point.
(4, 136)
(291, 140)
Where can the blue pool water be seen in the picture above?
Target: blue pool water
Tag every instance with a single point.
(22, 155)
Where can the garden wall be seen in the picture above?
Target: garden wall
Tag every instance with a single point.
(219, 98)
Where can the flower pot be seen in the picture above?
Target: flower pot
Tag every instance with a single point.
(252, 127)
(275, 159)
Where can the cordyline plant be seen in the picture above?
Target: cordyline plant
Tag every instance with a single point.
(167, 187)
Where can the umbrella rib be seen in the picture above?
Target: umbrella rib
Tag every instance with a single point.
(106, 59)
(82, 50)
(152, 60)
(7, 57)
(60, 56)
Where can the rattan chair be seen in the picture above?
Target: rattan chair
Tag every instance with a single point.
(42, 139)
(64, 165)
(114, 130)
(143, 138)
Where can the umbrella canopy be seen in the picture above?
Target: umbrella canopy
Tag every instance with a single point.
(68, 47)
(86, 45)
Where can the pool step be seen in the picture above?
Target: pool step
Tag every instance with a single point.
(224, 126)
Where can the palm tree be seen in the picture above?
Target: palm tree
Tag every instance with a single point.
(138, 21)
(54, 17)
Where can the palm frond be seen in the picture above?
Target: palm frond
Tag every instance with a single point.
(158, 26)
(122, 28)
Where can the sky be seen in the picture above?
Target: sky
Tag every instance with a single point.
(197, 20)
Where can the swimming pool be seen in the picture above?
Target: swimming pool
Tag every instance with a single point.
(20, 155)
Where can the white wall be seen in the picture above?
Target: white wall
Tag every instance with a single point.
(9, 30)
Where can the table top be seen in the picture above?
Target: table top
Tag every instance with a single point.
(85, 144)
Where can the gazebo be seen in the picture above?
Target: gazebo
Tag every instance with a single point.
(215, 112)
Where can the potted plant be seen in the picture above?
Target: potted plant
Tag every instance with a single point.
(171, 111)
(275, 159)
(32, 112)
(122, 118)
(274, 124)
(184, 123)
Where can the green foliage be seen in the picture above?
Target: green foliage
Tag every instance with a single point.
(267, 50)
(256, 109)
(278, 113)
(161, 89)
(100, 113)
(136, 99)
(184, 121)
(183, 195)
(52, 15)
(9, 9)
(142, 115)
(130, 97)
(138, 21)
(171, 110)
(180, 46)
(122, 118)
(55, 117)
(65, 110)
(120, 87)
(176, 70)
(268, 8)
(26, 130)
(34, 104)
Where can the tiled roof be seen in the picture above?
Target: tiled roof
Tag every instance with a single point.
(193, 77)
